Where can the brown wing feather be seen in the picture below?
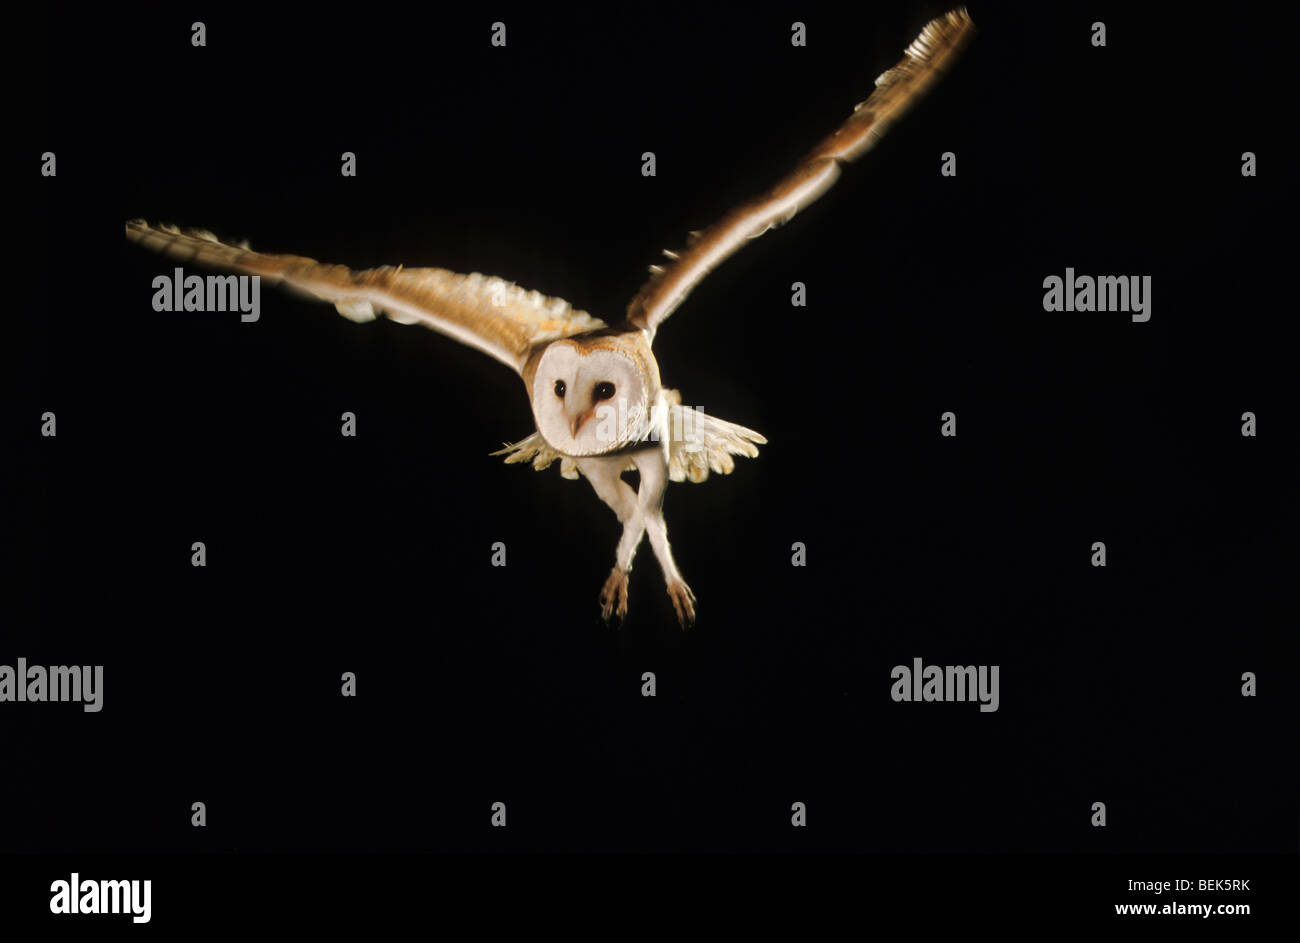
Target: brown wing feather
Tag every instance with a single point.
(926, 59)
(496, 316)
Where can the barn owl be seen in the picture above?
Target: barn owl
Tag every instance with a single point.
(599, 405)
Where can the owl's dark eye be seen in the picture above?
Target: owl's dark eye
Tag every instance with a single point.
(603, 390)
(559, 388)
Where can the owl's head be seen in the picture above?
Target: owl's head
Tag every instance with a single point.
(591, 399)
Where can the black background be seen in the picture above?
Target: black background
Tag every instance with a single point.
(478, 684)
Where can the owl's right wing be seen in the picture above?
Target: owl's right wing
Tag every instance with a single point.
(491, 314)
(534, 449)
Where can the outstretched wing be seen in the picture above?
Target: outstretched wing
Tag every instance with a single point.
(496, 316)
(930, 53)
(699, 443)
(534, 449)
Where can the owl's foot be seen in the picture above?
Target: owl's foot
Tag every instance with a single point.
(613, 598)
(683, 603)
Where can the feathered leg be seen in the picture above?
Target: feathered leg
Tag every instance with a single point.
(653, 467)
(605, 476)
(640, 512)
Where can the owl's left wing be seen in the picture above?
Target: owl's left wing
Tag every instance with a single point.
(699, 443)
(896, 90)
(491, 314)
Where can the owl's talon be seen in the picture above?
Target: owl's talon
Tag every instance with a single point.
(615, 589)
(683, 603)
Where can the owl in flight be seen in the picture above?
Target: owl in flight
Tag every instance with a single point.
(596, 395)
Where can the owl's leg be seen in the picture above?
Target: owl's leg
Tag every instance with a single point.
(653, 467)
(605, 478)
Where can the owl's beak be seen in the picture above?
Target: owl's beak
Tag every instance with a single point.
(580, 421)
